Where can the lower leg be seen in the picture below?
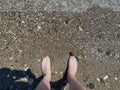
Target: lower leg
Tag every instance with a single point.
(72, 68)
(74, 84)
(44, 84)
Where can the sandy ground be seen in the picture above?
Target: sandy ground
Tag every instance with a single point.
(93, 36)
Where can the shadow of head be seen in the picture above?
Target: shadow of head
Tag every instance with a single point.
(16, 79)
(24, 80)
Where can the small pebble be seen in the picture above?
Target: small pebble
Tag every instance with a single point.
(91, 86)
(25, 65)
(98, 79)
(116, 78)
(108, 53)
(39, 60)
(87, 32)
(56, 72)
(66, 21)
(14, 77)
(23, 22)
(119, 25)
(80, 28)
(26, 69)
(39, 27)
(106, 77)
(117, 56)
(103, 79)
(20, 52)
(11, 58)
(22, 80)
(100, 50)
(61, 72)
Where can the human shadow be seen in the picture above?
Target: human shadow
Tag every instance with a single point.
(25, 80)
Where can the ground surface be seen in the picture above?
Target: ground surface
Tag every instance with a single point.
(94, 37)
(57, 5)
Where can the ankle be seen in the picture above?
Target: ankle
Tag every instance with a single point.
(47, 77)
(70, 77)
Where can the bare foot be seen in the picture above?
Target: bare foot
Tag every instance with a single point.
(46, 67)
(72, 67)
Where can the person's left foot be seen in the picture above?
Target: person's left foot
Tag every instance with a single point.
(46, 69)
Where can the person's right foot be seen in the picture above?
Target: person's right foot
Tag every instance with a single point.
(72, 67)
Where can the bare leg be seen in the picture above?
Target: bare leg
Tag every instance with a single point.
(45, 83)
(72, 68)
